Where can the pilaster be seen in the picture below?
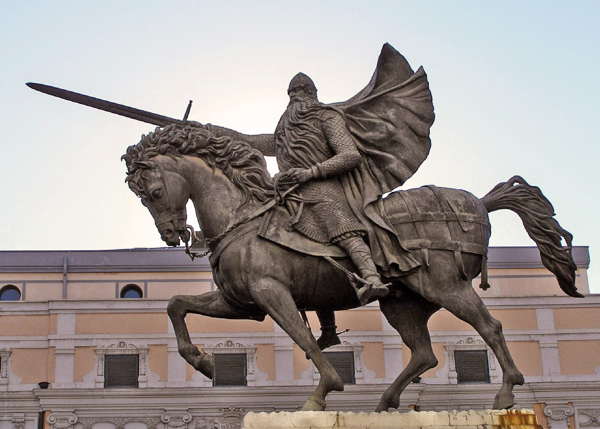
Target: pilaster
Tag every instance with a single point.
(550, 360)
(284, 363)
(176, 368)
(393, 359)
(64, 365)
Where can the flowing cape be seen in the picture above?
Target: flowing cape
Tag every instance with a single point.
(390, 121)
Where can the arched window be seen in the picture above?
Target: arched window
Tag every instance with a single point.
(10, 293)
(131, 291)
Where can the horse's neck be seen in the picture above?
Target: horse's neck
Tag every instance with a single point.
(216, 199)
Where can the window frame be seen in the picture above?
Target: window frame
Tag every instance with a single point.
(471, 343)
(10, 286)
(254, 377)
(245, 367)
(347, 352)
(108, 358)
(483, 353)
(4, 368)
(361, 374)
(131, 286)
(122, 348)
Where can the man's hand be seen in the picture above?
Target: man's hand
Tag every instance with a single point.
(294, 176)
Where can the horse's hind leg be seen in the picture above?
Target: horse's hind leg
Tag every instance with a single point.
(276, 300)
(208, 304)
(468, 306)
(409, 316)
(446, 289)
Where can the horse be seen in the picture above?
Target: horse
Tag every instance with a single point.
(230, 188)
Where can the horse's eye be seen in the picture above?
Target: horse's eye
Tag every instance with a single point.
(157, 193)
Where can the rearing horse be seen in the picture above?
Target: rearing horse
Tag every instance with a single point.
(228, 183)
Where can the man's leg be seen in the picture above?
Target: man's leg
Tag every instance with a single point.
(329, 336)
(360, 254)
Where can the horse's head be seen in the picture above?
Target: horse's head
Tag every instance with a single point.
(164, 192)
(219, 169)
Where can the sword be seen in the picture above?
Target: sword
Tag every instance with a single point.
(108, 106)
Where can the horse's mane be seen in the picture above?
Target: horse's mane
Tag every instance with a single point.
(242, 164)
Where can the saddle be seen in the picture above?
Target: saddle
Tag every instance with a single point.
(426, 218)
(276, 226)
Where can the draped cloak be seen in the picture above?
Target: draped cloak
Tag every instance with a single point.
(390, 121)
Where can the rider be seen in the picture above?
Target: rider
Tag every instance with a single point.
(314, 148)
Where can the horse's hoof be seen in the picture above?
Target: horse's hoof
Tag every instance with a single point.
(206, 366)
(314, 404)
(202, 362)
(385, 405)
(381, 408)
(504, 401)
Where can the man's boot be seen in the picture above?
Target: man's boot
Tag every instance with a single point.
(360, 254)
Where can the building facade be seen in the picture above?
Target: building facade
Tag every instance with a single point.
(85, 342)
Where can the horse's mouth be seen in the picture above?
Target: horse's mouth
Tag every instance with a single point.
(172, 243)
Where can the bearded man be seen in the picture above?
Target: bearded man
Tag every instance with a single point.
(314, 148)
(344, 157)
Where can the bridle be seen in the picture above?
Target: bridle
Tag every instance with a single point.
(193, 240)
(171, 217)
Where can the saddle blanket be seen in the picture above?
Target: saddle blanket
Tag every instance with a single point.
(276, 227)
(425, 218)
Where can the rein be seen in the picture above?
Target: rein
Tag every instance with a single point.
(214, 241)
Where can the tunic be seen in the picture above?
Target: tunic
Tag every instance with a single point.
(313, 135)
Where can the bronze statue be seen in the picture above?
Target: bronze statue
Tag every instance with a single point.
(296, 242)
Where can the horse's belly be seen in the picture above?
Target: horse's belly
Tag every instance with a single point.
(320, 285)
(442, 218)
(313, 282)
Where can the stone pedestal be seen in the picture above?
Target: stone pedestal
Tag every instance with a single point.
(479, 419)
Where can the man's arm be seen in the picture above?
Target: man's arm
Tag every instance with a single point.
(346, 158)
(265, 143)
(346, 155)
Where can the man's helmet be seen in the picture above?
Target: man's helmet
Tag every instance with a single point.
(303, 81)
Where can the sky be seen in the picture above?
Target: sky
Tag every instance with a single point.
(515, 88)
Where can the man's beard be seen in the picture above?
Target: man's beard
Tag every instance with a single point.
(298, 107)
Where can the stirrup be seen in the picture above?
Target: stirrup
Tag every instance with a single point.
(369, 291)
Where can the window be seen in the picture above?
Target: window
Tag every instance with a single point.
(230, 369)
(4, 355)
(472, 366)
(121, 370)
(131, 291)
(343, 362)
(10, 293)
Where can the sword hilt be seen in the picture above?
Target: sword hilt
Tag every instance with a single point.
(187, 111)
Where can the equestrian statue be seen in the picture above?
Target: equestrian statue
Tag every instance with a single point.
(320, 236)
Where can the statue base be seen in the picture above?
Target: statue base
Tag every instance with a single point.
(472, 419)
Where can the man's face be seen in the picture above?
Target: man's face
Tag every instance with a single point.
(298, 94)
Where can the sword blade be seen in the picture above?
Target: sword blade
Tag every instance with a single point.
(107, 106)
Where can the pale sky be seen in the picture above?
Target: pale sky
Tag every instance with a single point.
(515, 89)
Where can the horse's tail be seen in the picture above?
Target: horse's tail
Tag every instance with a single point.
(536, 213)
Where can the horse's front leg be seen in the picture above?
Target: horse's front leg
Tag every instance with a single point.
(209, 304)
(276, 300)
